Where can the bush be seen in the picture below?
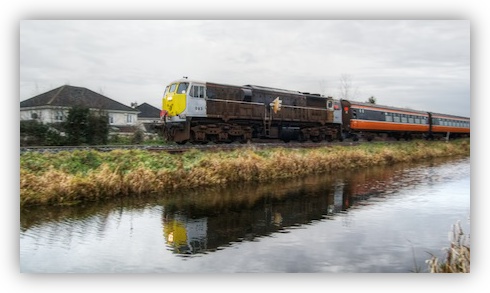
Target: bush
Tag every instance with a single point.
(35, 133)
(138, 137)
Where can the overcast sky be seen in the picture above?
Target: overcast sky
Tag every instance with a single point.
(421, 64)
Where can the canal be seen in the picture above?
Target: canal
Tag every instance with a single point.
(379, 220)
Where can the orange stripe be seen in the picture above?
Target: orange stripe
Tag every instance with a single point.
(387, 126)
(438, 128)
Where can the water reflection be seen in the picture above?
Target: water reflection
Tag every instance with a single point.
(199, 222)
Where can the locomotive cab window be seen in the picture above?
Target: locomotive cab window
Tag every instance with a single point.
(330, 104)
(172, 88)
(182, 88)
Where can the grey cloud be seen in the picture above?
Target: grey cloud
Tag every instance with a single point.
(135, 59)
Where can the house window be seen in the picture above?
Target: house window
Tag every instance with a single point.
(129, 118)
(58, 116)
(34, 116)
(111, 119)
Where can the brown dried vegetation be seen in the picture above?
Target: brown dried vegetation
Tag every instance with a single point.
(69, 178)
(457, 255)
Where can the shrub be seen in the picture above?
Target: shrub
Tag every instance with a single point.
(35, 133)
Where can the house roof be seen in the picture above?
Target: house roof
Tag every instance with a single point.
(69, 96)
(148, 111)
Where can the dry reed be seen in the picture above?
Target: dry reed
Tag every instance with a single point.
(90, 175)
(457, 255)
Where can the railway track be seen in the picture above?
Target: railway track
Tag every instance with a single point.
(174, 148)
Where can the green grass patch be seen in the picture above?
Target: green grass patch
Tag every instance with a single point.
(72, 177)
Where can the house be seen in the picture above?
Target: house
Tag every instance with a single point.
(53, 107)
(148, 117)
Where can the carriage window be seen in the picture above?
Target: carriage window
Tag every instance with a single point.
(396, 117)
(410, 119)
(388, 117)
(404, 118)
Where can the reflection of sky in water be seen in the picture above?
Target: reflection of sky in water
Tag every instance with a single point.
(378, 238)
(395, 218)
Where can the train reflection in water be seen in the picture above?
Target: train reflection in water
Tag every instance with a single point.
(200, 222)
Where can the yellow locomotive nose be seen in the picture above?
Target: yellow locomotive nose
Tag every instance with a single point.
(174, 101)
(168, 106)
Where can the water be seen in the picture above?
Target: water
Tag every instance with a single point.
(378, 220)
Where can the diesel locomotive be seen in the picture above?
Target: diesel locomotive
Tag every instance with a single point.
(202, 112)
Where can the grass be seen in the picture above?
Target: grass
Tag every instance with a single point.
(73, 177)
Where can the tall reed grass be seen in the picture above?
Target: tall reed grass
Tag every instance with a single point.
(457, 258)
(73, 177)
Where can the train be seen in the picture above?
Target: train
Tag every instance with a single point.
(200, 112)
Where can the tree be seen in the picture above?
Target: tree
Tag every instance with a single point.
(76, 125)
(346, 89)
(86, 127)
(371, 100)
(98, 125)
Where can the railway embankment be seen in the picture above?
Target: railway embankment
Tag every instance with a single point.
(67, 178)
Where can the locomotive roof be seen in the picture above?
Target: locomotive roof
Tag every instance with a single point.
(186, 80)
(251, 86)
(258, 87)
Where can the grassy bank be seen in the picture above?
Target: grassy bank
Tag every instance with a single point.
(72, 177)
